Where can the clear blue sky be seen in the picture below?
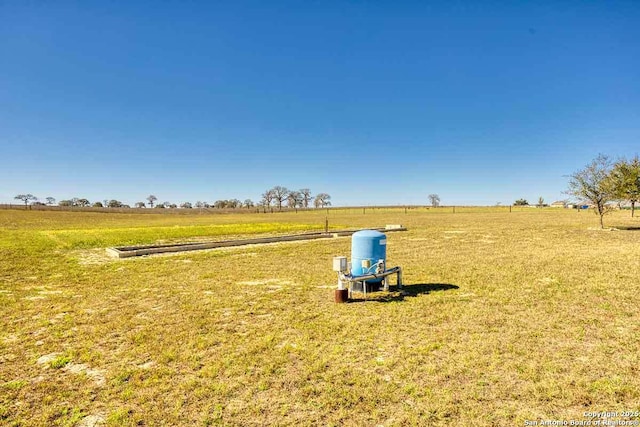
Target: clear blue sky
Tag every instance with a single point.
(373, 102)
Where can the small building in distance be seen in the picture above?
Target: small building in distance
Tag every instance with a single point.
(559, 204)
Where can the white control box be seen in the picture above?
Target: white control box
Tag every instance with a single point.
(339, 263)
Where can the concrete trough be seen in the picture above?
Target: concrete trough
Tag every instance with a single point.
(133, 251)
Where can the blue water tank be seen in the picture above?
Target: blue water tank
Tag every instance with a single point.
(369, 246)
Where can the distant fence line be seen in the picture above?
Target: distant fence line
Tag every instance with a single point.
(182, 211)
(327, 210)
(209, 210)
(133, 210)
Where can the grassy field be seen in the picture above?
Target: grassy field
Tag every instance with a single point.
(507, 317)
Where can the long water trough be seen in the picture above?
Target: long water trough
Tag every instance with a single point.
(133, 251)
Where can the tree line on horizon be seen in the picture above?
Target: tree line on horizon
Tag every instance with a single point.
(601, 183)
(277, 196)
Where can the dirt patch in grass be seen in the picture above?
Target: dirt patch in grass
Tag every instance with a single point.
(91, 421)
(47, 358)
(96, 375)
(92, 256)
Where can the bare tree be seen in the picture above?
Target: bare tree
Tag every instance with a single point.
(248, 203)
(199, 204)
(594, 185)
(26, 198)
(50, 201)
(267, 198)
(140, 205)
(151, 199)
(83, 202)
(279, 195)
(294, 199)
(540, 202)
(306, 197)
(625, 180)
(434, 199)
(322, 200)
(186, 205)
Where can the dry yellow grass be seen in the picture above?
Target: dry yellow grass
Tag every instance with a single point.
(508, 317)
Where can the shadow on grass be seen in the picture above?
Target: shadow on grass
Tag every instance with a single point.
(396, 294)
(629, 227)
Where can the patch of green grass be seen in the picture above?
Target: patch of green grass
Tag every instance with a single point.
(71, 417)
(123, 376)
(60, 362)
(4, 412)
(119, 417)
(14, 385)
